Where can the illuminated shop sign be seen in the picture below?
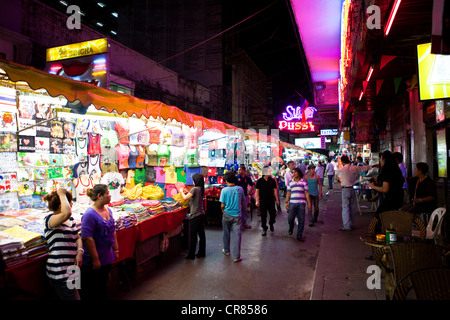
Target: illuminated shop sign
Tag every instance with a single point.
(76, 50)
(297, 119)
(329, 132)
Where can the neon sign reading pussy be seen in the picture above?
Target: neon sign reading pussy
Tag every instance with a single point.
(303, 116)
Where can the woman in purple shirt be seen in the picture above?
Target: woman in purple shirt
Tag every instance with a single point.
(100, 244)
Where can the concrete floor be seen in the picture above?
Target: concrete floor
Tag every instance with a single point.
(275, 267)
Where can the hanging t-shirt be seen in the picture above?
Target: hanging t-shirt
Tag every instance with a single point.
(154, 135)
(189, 173)
(123, 152)
(109, 138)
(192, 158)
(80, 187)
(94, 167)
(135, 125)
(114, 181)
(151, 157)
(181, 174)
(139, 176)
(177, 155)
(132, 158)
(141, 157)
(160, 175)
(94, 145)
(109, 154)
(177, 138)
(122, 131)
(129, 182)
(163, 155)
(191, 136)
(166, 136)
(81, 148)
(150, 174)
(171, 190)
(56, 129)
(171, 175)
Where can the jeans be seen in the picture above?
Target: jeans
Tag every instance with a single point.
(232, 225)
(62, 290)
(315, 203)
(297, 210)
(197, 227)
(244, 211)
(330, 181)
(348, 208)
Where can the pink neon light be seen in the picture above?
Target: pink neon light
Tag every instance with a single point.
(392, 17)
(369, 74)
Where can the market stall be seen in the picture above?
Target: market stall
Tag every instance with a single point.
(57, 132)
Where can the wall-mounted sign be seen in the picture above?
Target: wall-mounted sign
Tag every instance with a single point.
(309, 143)
(76, 50)
(329, 132)
(298, 119)
(441, 153)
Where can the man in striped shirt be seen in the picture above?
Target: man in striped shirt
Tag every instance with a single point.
(296, 198)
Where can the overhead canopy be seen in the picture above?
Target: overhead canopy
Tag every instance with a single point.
(111, 101)
(319, 26)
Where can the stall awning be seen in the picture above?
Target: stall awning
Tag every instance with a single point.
(102, 98)
(88, 94)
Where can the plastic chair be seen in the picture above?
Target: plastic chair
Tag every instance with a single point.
(434, 227)
(399, 259)
(431, 283)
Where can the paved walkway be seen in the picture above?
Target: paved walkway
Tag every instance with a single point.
(329, 265)
(341, 269)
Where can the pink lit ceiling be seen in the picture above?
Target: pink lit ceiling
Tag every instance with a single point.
(319, 26)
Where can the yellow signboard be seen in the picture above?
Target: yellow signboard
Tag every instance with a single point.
(77, 50)
(434, 75)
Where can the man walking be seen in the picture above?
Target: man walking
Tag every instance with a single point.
(266, 197)
(243, 180)
(349, 175)
(296, 198)
(330, 173)
(232, 201)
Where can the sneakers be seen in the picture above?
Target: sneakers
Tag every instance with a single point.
(271, 228)
(264, 233)
(237, 259)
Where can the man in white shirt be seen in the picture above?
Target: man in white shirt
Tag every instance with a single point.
(330, 173)
(289, 172)
(349, 175)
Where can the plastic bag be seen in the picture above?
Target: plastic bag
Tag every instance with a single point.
(152, 193)
(179, 198)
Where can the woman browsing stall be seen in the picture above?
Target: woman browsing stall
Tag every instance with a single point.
(100, 243)
(64, 243)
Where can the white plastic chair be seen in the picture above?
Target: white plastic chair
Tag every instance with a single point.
(434, 229)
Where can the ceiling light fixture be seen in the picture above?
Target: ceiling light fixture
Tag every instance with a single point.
(392, 15)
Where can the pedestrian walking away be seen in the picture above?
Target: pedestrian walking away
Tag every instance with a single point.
(315, 193)
(244, 181)
(297, 198)
(232, 201)
(330, 173)
(266, 199)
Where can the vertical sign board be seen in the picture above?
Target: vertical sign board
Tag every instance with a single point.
(441, 153)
